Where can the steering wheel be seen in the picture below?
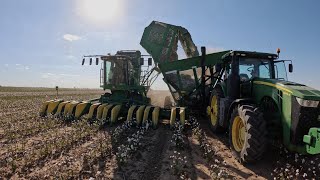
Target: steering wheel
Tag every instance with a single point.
(250, 69)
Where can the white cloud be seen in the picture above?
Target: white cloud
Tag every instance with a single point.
(6, 65)
(71, 37)
(21, 67)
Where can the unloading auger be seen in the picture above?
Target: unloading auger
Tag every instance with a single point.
(128, 80)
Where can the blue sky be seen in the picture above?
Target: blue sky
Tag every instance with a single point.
(42, 41)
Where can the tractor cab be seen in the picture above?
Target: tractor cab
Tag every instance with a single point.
(261, 67)
(244, 67)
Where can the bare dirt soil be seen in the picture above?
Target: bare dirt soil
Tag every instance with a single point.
(46, 148)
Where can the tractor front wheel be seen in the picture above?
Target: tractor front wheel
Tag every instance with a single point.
(247, 133)
(213, 111)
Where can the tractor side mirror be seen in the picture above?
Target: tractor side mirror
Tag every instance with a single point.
(83, 60)
(90, 61)
(141, 61)
(290, 68)
(97, 61)
(149, 61)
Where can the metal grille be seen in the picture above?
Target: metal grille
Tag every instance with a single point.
(303, 118)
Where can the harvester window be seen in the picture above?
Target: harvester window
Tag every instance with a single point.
(108, 72)
(116, 73)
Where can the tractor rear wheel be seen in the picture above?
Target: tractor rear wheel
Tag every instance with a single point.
(247, 133)
(214, 111)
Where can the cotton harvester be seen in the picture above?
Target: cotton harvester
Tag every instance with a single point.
(128, 79)
(244, 93)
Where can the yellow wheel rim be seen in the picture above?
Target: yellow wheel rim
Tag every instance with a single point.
(238, 134)
(214, 110)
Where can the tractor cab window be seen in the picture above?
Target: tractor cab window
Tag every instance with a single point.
(253, 67)
(280, 70)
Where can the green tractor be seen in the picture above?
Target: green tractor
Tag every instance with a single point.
(246, 94)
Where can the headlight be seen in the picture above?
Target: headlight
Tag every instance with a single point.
(307, 103)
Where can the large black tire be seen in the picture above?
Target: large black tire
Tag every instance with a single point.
(248, 141)
(214, 115)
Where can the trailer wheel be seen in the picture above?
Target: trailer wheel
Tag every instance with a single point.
(214, 112)
(247, 133)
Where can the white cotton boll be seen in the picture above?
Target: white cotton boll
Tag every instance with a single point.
(305, 175)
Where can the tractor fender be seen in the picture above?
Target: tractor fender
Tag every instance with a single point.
(235, 103)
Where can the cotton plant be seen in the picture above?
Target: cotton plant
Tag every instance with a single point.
(178, 164)
(133, 142)
(217, 171)
(125, 151)
(120, 130)
(177, 138)
(297, 166)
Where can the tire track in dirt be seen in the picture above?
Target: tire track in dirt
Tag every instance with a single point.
(146, 163)
(157, 153)
(199, 163)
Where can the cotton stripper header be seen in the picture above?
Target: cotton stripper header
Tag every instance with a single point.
(128, 75)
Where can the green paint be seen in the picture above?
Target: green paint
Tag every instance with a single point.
(312, 141)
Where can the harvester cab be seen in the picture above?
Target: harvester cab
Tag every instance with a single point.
(246, 94)
(127, 78)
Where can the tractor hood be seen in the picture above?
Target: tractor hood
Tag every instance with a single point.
(296, 89)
